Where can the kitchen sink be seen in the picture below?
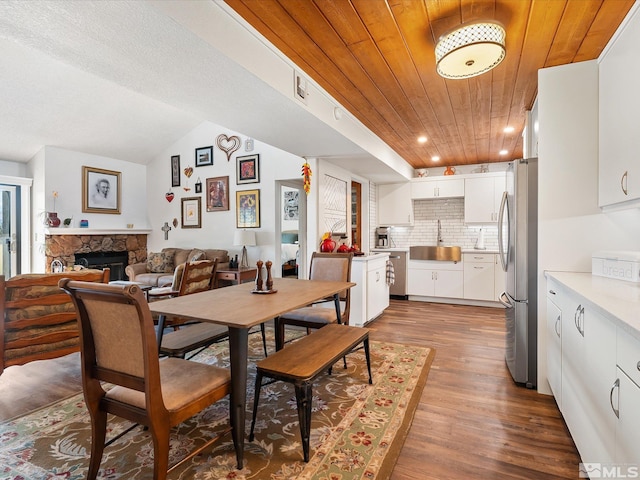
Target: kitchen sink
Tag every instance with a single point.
(433, 252)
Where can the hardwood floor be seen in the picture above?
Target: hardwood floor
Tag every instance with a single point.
(472, 422)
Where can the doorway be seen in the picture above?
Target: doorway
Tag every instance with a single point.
(291, 228)
(9, 230)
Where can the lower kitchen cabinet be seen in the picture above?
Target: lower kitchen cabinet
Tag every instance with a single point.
(479, 276)
(582, 352)
(628, 399)
(554, 344)
(430, 278)
(370, 296)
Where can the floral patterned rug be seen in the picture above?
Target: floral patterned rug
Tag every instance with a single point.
(357, 429)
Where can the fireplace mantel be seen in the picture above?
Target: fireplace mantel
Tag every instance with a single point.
(96, 231)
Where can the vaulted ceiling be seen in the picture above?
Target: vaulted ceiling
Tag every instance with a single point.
(376, 57)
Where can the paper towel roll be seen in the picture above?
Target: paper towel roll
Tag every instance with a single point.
(480, 241)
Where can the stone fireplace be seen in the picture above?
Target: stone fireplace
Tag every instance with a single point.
(65, 247)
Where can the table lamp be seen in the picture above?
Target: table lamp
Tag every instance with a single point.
(244, 238)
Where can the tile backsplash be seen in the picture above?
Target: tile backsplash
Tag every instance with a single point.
(450, 212)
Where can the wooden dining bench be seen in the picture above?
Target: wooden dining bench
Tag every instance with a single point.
(302, 361)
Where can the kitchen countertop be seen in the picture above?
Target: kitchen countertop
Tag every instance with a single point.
(369, 256)
(391, 249)
(474, 250)
(616, 299)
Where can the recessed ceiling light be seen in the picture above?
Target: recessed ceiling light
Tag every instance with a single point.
(422, 139)
(503, 152)
(435, 158)
(509, 129)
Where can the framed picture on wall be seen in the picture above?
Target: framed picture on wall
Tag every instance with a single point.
(248, 169)
(191, 216)
(248, 209)
(204, 156)
(100, 190)
(217, 194)
(175, 171)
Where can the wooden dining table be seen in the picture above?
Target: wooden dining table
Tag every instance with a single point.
(240, 309)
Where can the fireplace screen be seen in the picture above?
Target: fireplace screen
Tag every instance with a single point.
(115, 261)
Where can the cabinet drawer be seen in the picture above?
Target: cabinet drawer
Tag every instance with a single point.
(225, 276)
(628, 355)
(478, 257)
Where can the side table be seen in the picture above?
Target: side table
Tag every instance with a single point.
(236, 275)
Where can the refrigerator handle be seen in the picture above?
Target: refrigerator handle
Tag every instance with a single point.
(505, 300)
(504, 258)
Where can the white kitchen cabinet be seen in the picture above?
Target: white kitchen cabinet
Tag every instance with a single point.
(482, 197)
(626, 399)
(430, 278)
(437, 187)
(479, 276)
(394, 204)
(554, 343)
(619, 103)
(370, 296)
(587, 372)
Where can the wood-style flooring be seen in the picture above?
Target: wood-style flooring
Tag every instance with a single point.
(472, 422)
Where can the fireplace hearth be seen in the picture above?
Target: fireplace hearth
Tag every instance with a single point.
(97, 251)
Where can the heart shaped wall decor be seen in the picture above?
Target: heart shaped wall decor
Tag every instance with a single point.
(169, 196)
(188, 171)
(228, 144)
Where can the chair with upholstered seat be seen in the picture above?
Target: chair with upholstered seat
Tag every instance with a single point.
(118, 346)
(191, 337)
(329, 267)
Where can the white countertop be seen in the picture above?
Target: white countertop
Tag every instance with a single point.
(390, 249)
(370, 256)
(475, 250)
(617, 299)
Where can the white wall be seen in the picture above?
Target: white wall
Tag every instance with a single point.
(57, 169)
(571, 226)
(217, 227)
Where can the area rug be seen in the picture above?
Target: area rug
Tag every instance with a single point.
(357, 429)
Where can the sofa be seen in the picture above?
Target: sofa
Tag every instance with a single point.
(158, 270)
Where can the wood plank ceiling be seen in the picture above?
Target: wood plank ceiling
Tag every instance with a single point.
(376, 57)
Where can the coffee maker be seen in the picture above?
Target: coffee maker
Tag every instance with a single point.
(383, 237)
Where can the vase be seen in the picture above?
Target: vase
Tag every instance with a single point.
(327, 245)
(52, 219)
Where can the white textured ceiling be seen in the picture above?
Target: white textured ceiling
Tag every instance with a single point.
(123, 80)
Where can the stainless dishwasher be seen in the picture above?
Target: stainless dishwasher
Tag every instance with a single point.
(399, 261)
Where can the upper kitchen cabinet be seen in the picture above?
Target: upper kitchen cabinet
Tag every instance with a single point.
(619, 103)
(482, 197)
(394, 204)
(437, 187)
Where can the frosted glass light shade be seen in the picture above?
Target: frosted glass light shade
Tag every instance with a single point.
(244, 238)
(470, 50)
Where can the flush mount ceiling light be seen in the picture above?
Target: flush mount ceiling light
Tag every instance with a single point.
(470, 50)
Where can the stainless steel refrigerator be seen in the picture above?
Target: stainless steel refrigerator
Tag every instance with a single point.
(518, 245)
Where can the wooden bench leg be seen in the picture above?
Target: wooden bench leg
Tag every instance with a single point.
(304, 397)
(256, 398)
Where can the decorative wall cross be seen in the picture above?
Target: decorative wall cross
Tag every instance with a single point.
(165, 228)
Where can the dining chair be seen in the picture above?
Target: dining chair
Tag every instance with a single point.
(118, 346)
(191, 337)
(324, 266)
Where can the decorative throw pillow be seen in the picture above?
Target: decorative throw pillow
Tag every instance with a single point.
(196, 255)
(160, 262)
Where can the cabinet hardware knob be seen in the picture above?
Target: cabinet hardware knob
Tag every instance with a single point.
(638, 366)
(552, 292)
(623, 183)
(616, 384)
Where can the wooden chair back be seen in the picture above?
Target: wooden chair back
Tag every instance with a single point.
(38, 318)
(198, 276)
(335, 267)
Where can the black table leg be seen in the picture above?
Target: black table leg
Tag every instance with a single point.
(238, 350)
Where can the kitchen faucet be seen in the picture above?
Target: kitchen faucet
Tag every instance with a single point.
(439, 233)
